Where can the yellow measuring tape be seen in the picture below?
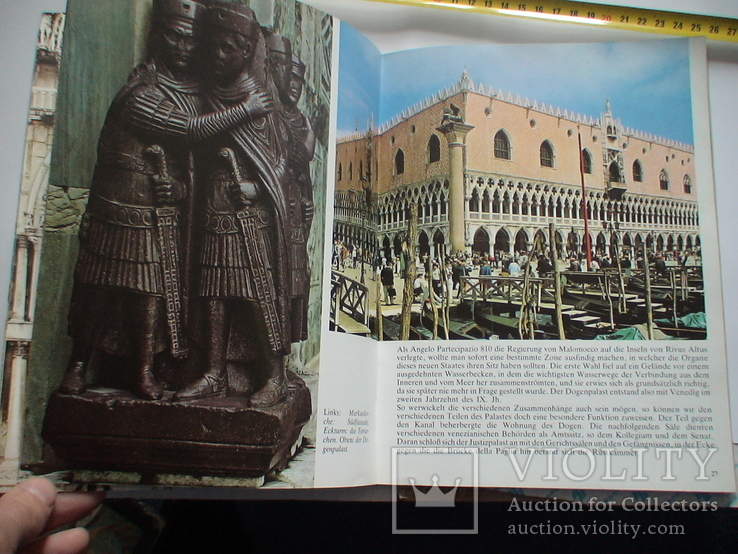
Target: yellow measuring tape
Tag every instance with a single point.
(614, 17)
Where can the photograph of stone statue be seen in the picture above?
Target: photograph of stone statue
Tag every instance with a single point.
(192, 266)
(513, 195)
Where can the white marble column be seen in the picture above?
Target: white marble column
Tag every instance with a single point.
(455, 133)
(16, 403)
(20, 280)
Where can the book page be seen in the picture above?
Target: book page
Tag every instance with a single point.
(167, 293)
(620, 414)
(348, 419)
(585, 414)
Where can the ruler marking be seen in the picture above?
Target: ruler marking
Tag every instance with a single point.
(614, 17)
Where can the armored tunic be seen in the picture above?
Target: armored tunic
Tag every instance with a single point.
(243, 249)
(130, 241)
(120, 251)
(119, 246)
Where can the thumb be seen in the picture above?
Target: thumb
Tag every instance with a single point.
(24, 512)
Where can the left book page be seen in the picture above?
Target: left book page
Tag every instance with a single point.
(174, 332)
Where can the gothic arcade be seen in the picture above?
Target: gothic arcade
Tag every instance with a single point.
(518, 166)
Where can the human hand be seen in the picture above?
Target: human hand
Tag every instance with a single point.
(33, 507)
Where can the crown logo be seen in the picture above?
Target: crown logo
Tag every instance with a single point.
(435, 497)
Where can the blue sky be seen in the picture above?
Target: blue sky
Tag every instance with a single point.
(647, 83)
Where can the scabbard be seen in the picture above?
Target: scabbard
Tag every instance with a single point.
(266, 295)
(167, 233)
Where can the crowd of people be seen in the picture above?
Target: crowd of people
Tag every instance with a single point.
(443, 275)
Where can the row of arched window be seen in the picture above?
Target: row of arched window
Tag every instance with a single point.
(502, 150)
(432, 153)
(671, 213)
(350, 173)
(664, 182)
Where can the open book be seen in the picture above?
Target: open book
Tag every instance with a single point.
(266, 246)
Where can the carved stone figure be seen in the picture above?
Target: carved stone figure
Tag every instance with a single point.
(299, 193)
(131, 290)
(243, 267)
(193, 264)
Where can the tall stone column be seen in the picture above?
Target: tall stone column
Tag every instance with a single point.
(16, 401)
(455, 132)
(20, 280)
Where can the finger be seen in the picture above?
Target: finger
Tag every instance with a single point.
(71, 506)
(70, 541)
(24, 512)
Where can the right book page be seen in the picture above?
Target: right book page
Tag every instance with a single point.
(552, 207)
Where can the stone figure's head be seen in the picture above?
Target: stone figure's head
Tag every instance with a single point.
(232, 31)
(297, 79)
(175, 25)
(280, 63)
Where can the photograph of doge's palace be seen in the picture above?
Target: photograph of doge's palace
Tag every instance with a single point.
(490, 171)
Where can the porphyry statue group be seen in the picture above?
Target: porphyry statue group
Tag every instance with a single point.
(195, 232)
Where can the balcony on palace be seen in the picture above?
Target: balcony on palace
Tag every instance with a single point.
(616, 187)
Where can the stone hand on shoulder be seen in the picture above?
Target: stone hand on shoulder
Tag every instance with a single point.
(258, 104)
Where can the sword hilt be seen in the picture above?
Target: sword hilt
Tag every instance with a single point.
(243, 190)
(230, 157)
(157, 152)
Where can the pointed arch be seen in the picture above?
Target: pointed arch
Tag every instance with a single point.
(481, 241)
(637, 171)
(496, 205)
(439, 242)
(586, 161)
(423, 243)
(614, 172)
(397, 245)
(434, 149)
(540, 241)
(502, 241)
(474, 201)
(547, 154)
(600, 243)
(485, 202)
(521, 241)
(502, 145)
(399, 162)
